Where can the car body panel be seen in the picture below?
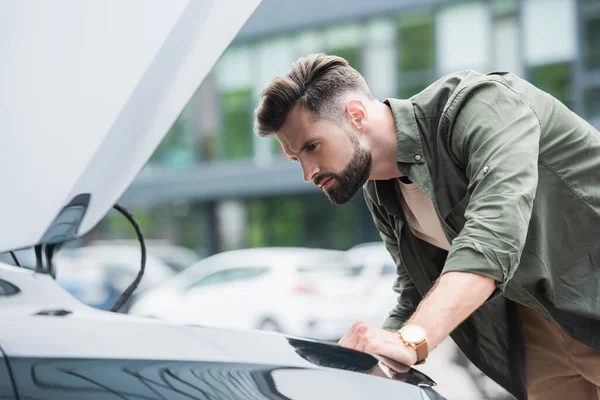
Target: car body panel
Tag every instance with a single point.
(105, 81)
(89, 353)
(7, 390)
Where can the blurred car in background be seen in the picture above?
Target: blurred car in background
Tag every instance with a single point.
(376, 273)
(299, 291)
(97, 275)
(177, 257)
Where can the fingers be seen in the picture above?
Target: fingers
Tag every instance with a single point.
(370, 339)
(352, 338)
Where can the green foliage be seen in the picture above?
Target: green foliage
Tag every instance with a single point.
(350, 53)
(309, 220)
(416, 42)
(176, 149)
(409, 91)
(276, 222)
(235, 140)
(554, 79)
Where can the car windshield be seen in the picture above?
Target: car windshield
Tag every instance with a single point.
(331, 270)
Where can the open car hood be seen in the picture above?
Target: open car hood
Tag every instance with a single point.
(89, 89)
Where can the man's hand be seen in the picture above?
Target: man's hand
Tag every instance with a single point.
(371, 339)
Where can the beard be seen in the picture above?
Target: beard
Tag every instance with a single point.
(352, 178)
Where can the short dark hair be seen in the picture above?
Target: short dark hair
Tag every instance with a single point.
(314, 82)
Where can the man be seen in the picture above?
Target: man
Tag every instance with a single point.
(486, 191)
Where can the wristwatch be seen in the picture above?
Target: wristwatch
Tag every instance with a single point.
(414, 336)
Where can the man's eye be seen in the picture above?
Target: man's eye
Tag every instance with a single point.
(311, 147)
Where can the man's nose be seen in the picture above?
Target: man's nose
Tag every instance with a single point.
(309, 171)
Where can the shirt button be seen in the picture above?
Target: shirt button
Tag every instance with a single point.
(417, 157)
(486, 169)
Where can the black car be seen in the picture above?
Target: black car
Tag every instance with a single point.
(54, 347)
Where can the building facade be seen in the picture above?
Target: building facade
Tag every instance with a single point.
(213, 185)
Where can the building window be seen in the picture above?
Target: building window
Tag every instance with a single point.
(549, 31)
(235, 140)
(591, 37)
(273, 57)
(463, 36)
(416, 53)
(506, 49)
(308, 220)
(177, 150)
(554, 79)
(345, 41)
(379, 57)
(550, 45)
(416, 42)
(234, 76)
(592, 105)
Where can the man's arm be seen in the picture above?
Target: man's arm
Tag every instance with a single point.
(454, 297)
(496, 135)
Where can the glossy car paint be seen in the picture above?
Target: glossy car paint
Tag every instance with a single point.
(83, 353)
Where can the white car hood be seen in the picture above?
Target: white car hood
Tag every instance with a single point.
(89, 89)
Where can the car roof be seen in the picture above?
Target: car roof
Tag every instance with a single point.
(374, 251)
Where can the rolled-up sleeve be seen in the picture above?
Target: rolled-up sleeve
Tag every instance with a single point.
(408, 295)
(496, 136)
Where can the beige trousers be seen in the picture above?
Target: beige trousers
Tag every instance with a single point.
(557, 366)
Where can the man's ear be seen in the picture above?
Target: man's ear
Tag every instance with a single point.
(357, 113)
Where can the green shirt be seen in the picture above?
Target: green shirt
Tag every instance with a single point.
(514, 177)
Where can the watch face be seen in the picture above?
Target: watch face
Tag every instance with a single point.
(413, 334)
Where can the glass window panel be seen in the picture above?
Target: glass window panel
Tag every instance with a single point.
(554, 79)
(332, 270)
(242, 274)
(345, 41)
(503, 8)
(592, 103)
(506, 50)
(379, 61)
(379, 68)
(343, 36)
(212, 279)
(410, 90)
(591, 29)
(416, 42)
(234, 69)
(309, 42)
(549, 28)
(308, 220)
(273, 58)
(235, 140)
(463, 34)
(174, 151)
(351, 54)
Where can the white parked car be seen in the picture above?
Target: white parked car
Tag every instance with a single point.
(177, 257)
(376, 273)
(293, 290)
(97, 275)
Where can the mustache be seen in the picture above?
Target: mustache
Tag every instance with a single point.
(319, 179)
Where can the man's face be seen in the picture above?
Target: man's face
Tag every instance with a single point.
(330, 155)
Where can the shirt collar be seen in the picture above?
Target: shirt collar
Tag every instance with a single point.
(409, 149)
